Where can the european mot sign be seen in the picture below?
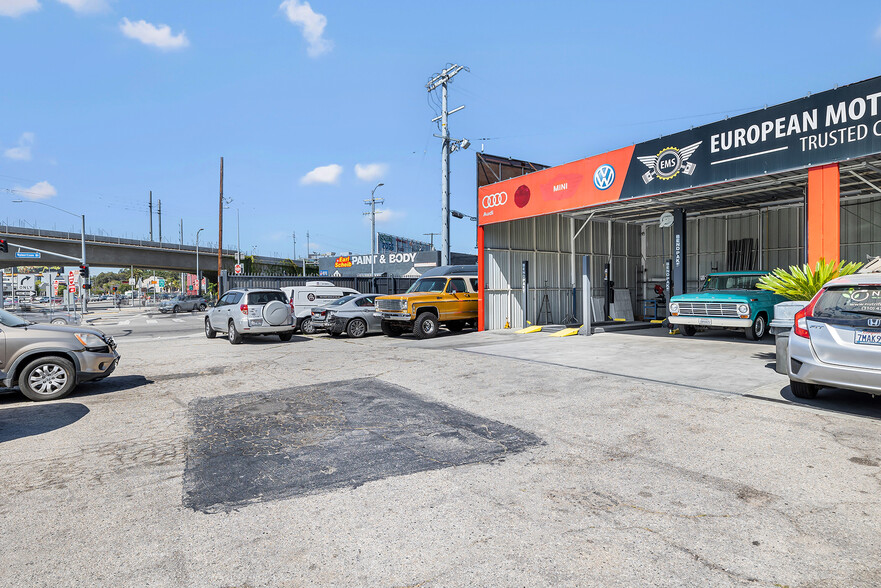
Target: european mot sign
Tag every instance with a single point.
(819, 129)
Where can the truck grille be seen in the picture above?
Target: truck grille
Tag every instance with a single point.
(728, 309)
(390, 304)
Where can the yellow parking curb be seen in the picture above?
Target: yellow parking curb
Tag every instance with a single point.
(564, 333)
(533, 329)
(657, 322)
(620, 320)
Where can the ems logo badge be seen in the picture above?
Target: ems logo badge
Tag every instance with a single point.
(667, 164)
(604, 177)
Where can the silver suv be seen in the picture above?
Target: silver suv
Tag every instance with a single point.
(183, 303)
(48, 361)
(241, 313)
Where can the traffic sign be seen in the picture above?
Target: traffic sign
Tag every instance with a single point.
(71, 279)
(27, 254)
(161, 282)
(131, 281)
(239, 268)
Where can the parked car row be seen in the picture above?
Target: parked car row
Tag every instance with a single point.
(445, 296)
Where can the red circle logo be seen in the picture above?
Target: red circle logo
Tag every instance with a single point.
(521, 196)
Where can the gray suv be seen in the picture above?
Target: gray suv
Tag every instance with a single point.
(48, 361)
(183, 303)
(241, 313)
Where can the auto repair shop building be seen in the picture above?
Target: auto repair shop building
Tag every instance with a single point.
(788, 184)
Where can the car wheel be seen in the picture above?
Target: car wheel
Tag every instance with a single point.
(356, 328)
(176, 309)
(285, 337)
(390, 329)
(209, 331)
(758, 329)
(456, 326)
(202, 307)
(802, 390)
(59, 321)
(688, 330)
(425, 326)
(233, 335)
(307, 327)
(47, 378)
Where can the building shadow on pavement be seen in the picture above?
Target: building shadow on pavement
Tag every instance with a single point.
(35, 419)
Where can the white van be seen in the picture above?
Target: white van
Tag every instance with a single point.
(304, 298)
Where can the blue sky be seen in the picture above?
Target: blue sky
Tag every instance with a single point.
(313, 104)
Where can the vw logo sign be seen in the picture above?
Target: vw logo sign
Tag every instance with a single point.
(493, 200)
(604, 177)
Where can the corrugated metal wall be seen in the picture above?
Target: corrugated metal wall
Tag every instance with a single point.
(545, 243)
(860, 229)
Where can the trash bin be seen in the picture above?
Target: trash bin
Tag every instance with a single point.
(784, 318)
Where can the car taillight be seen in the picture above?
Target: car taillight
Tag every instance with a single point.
(800, 327)
(244, 308)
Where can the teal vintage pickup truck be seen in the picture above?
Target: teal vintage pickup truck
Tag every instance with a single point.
(727, 300)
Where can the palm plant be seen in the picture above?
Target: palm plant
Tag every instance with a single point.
(803, 283)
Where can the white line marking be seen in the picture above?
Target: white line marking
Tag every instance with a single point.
(152, 321)
(177, 320)
(124, 322)
(750, 155)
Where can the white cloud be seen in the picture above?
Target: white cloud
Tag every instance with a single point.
(15, 8)
(324, 174)
(312, 24)
(87, 6)
(370, 172)
(39, 191)
(150, 34)
(388, 215)
(23, 151)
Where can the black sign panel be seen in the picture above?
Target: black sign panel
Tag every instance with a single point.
(829, 127)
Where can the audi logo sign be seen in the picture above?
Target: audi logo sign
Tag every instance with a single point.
(493, 200)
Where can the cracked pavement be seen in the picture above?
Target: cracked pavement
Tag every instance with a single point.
(663, 468)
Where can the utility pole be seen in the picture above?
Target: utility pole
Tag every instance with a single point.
(220, 229)
(442, 80)
(150, 207)
(294, 235)
(181, 232)
(238, 239)
(431, 238)
(372, 202)
(160, 221)
(305, 259)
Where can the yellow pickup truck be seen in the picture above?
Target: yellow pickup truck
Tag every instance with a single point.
(448, 299)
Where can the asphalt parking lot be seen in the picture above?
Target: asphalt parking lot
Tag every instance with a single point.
(470, 460)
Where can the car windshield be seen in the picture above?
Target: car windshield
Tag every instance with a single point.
(7, 319)
(341, 301)
(731, 283)
(849, 302)
(266, 297)
(428, 285)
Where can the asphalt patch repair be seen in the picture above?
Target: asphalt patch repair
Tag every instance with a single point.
(260, 446)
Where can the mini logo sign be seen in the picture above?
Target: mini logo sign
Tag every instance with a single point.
(667, 164)
(343, 261)
(493, 200)
(604, 177)
(875, 322)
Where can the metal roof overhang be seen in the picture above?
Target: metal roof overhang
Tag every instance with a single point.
(860, 178)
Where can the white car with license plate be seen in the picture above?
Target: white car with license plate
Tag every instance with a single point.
(836, 339)
(249, 312)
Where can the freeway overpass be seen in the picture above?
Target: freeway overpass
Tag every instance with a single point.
(104, 251)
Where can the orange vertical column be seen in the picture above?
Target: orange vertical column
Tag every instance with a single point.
(824, 213)
(481, 281)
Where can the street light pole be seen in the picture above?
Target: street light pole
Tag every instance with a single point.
(82, 237)
(372, 202)
(198, 277)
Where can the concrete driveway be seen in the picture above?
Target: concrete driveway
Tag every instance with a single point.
(472, 460)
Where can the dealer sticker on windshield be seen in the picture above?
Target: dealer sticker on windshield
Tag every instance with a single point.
(868, 337)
